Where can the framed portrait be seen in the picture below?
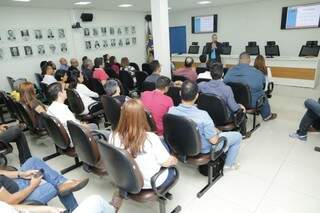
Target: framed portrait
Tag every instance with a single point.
(113, 42)
(134, 40)
(61, 33)
(133, 30)
(86, 32)
(88, 45)
(121, 42)
(103, 31)
(41, 50)
(25, 35)
(96, 44)
(50, 34)
(28, 51)
(52, 49)
(128, 43)
(2, 55)
(11, 35)
(38, 34)
(112, 31)
(63, 48)
(14, 52)
(95, 32)
(119, 31)
(126, 30)
(105, 44)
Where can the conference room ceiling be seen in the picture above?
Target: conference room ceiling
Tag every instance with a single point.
(138, 5)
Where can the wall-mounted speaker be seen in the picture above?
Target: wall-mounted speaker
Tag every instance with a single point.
(86, 17)
(148, 18)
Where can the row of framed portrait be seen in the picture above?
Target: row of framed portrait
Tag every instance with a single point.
(109, 43)
(26, 35)
(33, 50)
(111, 31)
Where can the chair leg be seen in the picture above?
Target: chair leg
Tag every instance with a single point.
(317, 149)
(49, 157)
(74, 166)
(212, 166)
(254, 125)
(162, 205)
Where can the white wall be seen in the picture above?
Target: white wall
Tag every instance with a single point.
(30, 18)
(258, 21)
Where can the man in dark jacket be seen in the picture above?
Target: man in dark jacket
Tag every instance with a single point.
(214, 49)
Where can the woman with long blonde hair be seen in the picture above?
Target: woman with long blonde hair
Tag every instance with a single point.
(133, 134)
(29, 98)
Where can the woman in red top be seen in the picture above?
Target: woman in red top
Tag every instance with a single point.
(98, 71)
(114, 65)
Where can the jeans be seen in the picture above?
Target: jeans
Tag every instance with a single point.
(15, 134)
(94, 204)
(48, 190)
(233, 146)
(265, 110)
(312, 116)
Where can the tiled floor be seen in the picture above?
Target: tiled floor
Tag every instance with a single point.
(277, 174)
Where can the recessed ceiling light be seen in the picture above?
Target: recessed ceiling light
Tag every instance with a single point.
(125, 5)
(204, 2)
(22, 0)
(83, 3)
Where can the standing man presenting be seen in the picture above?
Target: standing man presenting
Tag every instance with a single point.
(214, 49)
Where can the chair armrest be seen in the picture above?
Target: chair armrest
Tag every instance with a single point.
(5, 148)
(99, 135)
(157, 175)
(93, 106)
(238, 117)
(270, 87)
(33, 203)
(260, 102)
(215, 154)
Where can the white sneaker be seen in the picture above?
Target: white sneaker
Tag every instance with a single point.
(232, 168)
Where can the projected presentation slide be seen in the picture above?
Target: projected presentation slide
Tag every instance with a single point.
(303, 16)
(203, 24)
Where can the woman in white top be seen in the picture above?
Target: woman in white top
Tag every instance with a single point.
(85, 93)
(133, 134)
(260, 64)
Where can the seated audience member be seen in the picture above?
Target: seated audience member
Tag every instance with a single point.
(85, 93)
(42, 65)
(260, 64)
(98, 71)
(187, 71)
(25, 185)
(64, 64)
(92, 204)
(73, 69)
(156, 70)
(246, 74)
(310, 120)
(207, 73)
(61, 111)
(112, 88)
(15, 134)
(28, 97)
(203, 61)
(125, 66)
(62, 77)
(219, 88)
(49, 75)
(84, 58)
(106, 58)
(87, 69)
(114, 65)
(208, 133)
(53, 65)
(133, 134)
(157, 102)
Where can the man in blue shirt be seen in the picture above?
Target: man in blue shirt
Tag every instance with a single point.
(217, 87)
(214, 49)
(248, 75)
(208, 133)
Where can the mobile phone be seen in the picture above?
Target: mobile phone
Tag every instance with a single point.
(39, 173)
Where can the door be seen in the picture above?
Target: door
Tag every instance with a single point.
(178, 39)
